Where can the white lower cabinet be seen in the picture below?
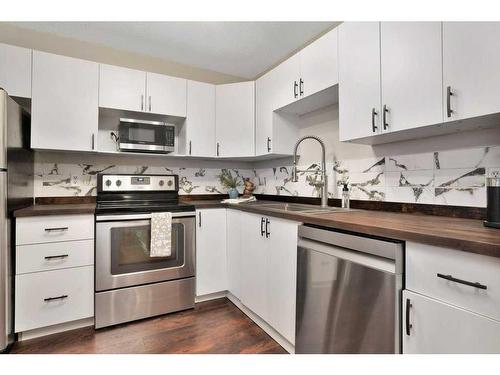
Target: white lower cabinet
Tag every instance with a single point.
(211, 269)
(269, 270)
(432, 326)
(53, 297)
(233, 246)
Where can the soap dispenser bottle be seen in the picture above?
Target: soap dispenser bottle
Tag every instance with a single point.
(345, 196)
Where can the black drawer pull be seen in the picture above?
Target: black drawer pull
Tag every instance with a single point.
(56, 256)
(64, 296)
(56, 229)
(464, 282)
(408, 324)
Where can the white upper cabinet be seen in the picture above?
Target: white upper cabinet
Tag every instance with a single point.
(64, 108)
(122, 88)
(15, 70)
(471, 63)
(200, 120)
(359, 80)
(235, 119)
(166, 95)
(264, 113)
(411, 64)
(138, 91)
(318, 64)
(286, 83)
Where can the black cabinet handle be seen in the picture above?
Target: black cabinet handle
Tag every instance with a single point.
(449, 94)
(190, 147)
(384, 116)
(301, 87)
(56, 256)
(55, 298)
(56, 229)
(218, 148)
(408, 324)
(295, 86)
(199, 219)
(460, 281)
(262, 231)
(374, 126)
(93, 141)
(268, 144)
(267, 228)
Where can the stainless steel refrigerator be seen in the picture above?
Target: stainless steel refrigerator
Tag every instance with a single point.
(16, 191)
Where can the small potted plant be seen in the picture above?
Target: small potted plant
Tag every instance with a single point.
(229, 182)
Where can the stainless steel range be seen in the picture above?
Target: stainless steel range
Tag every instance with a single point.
(129, 283)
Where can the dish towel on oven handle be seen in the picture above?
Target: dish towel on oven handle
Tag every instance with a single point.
(161, 234)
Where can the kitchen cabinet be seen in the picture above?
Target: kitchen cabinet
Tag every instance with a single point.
(359, 80)
(138, 91)
(432, 326)
(199, 127)
(286, 82)
(411, 75)
(319, 64)
(268, 277)
(470, 69)
(15, 70)
(122, 88)
(233, 246)
(235, 119)
(211, 260)
(166, 95)
(64, 107)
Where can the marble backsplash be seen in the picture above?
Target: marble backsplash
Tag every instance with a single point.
(451, 177)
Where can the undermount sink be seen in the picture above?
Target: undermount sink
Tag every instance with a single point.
(305, 208)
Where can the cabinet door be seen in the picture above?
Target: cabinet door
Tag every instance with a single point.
(122, 88)
(233, 236)
(318, 64)
(235, 119)
(359, 79)
(264, 107)
(286, 82)
(200, 121)
(282, 276)
(254, 283)
(411, 65)
(211, 270)
(15, 70)
(437, 327)
(64, 107)
(166, 95)
(470, 68)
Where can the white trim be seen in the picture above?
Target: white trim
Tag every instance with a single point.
(209, 297)
(45, 331)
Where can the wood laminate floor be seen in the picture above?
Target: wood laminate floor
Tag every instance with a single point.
(211, 327)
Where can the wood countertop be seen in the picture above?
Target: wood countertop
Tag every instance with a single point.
(460, 234)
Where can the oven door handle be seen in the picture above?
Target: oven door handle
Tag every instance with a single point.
(139, 216)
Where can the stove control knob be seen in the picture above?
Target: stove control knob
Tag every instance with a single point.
(108, 182)
(169, 183)
(162, 182)
(118, 183)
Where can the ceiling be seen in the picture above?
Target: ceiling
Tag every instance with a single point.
(243, 49)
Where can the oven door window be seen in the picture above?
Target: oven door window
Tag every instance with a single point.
(130, 249)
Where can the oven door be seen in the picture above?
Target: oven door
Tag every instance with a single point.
(123, 251)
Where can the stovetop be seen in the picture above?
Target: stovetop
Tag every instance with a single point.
(141, 207)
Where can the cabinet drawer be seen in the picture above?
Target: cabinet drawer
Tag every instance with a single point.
(34, 306)
(425, 262)
(41, 229)
(53, 256)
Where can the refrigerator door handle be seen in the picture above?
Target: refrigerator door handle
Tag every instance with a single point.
(3, 129)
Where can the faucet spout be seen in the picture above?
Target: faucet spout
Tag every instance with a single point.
(295, 177)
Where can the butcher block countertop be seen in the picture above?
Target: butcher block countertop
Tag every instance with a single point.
(460, 234)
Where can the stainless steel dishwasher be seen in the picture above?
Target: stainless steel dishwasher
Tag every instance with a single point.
(348, 293)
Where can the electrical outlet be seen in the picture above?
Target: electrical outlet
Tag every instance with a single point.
(75, 180)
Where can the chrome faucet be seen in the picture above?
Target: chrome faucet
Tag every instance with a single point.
(324, 182)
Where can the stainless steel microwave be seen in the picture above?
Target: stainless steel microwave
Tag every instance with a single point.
(146, 136)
